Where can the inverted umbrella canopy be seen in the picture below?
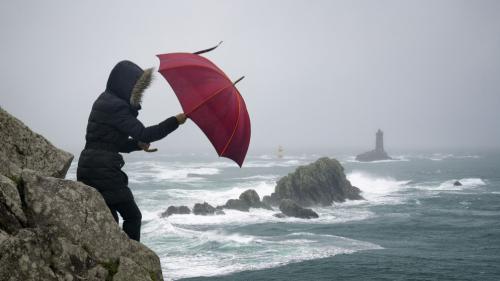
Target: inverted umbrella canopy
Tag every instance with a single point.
(211, 100)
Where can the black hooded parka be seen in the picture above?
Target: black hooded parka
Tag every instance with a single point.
(113, 128)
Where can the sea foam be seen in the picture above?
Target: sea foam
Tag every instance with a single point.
(215, 252)
(378, 189)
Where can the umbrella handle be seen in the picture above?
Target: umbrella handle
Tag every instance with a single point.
(207, 50)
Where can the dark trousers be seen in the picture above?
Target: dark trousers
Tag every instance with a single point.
(131, 218)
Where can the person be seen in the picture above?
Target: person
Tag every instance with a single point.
(113, 128)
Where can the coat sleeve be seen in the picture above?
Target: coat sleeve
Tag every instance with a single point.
(125, 122)
(129, 146)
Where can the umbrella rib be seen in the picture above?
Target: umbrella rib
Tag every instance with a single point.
(193, 65)
(207, 99)
(235, 126)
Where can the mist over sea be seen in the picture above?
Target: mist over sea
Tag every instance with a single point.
(414, 224)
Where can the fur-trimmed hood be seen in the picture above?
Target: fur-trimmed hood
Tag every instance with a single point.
(128, 81)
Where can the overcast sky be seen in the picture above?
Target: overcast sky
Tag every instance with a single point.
(319, 74)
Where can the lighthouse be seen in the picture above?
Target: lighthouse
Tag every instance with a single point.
(378, 153)
(379, 141)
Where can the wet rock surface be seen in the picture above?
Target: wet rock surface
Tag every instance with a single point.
(319, 183)
(203, 209)
(173, 210)
(291, 209)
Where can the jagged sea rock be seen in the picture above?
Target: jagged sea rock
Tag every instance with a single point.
(268, 200)
(237, 204)
(180, 210)
(22, 148)
(203, 209)
(320, 183)
(248, 199)
(457, 183)
(55, 229)
(250, 196)
(290, 208)
(279, 215)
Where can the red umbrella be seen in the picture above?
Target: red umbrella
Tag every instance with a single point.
(211, 100)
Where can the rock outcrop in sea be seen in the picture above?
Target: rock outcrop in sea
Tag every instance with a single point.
(378, 153)
(291, 209)
(57, 229)
(176, 210)
(320, 183)
(203, 209)
(248, 199)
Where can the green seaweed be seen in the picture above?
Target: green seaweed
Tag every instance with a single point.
(153, 276)
(111, 267)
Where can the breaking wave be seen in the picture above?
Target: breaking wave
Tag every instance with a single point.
(217, 252)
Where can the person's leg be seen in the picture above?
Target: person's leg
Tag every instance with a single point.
(131, 218)
(113, 212)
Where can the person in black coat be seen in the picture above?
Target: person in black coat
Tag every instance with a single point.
(112, 129)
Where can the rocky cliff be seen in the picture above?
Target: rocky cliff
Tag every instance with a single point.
(320, 183)
(56, 229)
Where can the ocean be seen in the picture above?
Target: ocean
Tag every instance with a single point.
(414, 224)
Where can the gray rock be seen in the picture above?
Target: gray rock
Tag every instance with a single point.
(457, 183)
(237, 204)
(268, 200)
(27, 256)
(264, 205)
(251, 197)
(172, 210)
(279, 215)
(292, 209)
(248, 199)
(97, 273)
(55, 229)
(128, 270)
(322, 182)
(78, 216)
(3, 237)
(21, 148)
(219, 212)
(12, 216)
(145, 258)
(73, 210)
(203, 209)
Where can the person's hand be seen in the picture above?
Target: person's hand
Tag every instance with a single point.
(181, 118)
(145, 146)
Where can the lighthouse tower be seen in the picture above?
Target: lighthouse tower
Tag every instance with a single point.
(378, 153)
(379, 141)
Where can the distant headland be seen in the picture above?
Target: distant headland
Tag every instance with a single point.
(378, 153)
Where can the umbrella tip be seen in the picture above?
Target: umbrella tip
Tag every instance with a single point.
(208, 50)
(241, 78)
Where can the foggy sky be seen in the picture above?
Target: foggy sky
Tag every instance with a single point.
(319, 74)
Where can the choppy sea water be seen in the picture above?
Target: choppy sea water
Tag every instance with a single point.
(414, 224)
